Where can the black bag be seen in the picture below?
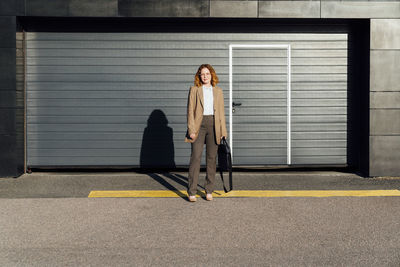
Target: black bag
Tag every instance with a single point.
(225, 162)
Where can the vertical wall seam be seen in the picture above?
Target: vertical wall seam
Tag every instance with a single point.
(320, 9)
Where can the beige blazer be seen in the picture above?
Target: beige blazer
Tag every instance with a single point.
(195, 110)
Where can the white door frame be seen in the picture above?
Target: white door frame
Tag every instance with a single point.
(284, 46)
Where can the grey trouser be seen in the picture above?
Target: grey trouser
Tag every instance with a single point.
(207, 135)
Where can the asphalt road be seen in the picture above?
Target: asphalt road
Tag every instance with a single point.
(80, 184)
(335, 231)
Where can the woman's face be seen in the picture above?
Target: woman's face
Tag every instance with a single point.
(205, 76)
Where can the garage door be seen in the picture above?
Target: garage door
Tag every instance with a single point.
(119, 99)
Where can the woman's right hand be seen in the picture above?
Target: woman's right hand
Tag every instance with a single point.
(192, 136)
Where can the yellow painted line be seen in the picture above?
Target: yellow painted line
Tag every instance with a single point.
(138, 193)
(250, 193)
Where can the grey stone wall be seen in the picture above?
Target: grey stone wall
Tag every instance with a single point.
(384, 56)
(385, 97)
(7, 96)
(208, 8)
(11, 93)
(11, 134)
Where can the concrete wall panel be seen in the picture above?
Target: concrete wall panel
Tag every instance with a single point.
(385, 34)
(12, 7)
(360, 9)
(237, 9)
(289, 9)
(385, 70)
(8, 166)
(47, 7)
(160, 8)
(385, 122)
(7, 118)
(7, 32)
(384, 155)
(7, 99)
(7, 69)
(104, 8)
(385, 100)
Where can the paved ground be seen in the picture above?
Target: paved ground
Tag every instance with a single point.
(224, 232)
(48, 220)
(76, 184)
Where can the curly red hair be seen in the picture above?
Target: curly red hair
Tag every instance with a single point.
(214, 77)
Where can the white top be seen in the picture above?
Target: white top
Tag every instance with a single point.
(208, 100)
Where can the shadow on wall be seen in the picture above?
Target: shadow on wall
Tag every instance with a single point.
(157, 143)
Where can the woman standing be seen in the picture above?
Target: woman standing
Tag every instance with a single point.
(206, 124)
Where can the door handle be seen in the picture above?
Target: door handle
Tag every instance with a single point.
(236, 104)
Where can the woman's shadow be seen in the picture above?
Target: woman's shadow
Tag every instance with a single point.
(157, 143)
(157, 151)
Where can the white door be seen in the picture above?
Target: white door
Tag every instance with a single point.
(259, 112)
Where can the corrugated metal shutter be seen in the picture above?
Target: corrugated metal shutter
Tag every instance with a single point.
(104, 99)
